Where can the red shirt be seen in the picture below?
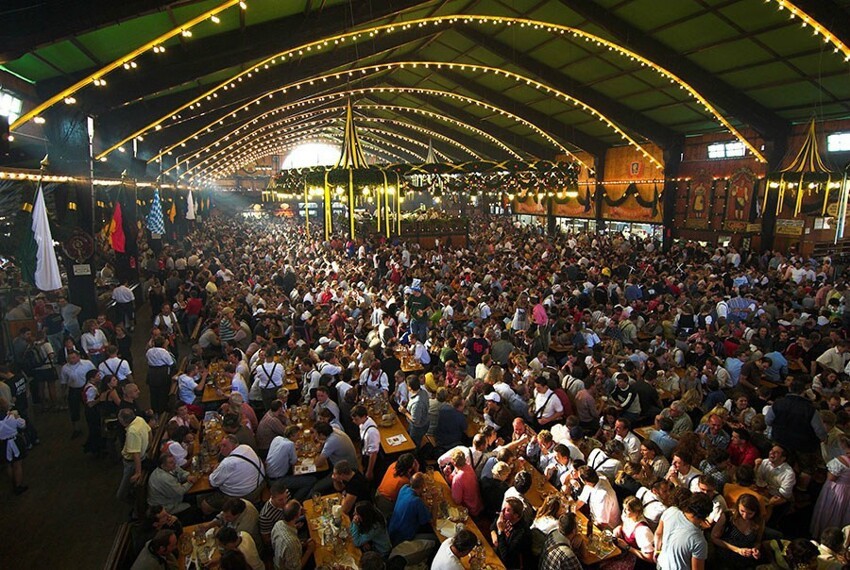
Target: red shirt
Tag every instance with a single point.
(194, 306)
(744, 454)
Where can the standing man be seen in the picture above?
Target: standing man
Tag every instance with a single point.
(160, 364)
(679, 540)
(74, 377)
(418, 306)
(135, 446)
(370, 440)
(417, 410)
(124, 302)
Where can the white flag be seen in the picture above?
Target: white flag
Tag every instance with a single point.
(46, 276)
(190, 207)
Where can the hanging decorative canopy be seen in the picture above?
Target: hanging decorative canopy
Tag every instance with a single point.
(352, 152)
(806, 174)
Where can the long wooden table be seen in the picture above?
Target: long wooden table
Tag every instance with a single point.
(184, 551)
(541, 487)
(324, 554)
(490, 556)
(202, 485)
(397, 429)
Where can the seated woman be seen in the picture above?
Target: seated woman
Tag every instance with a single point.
(179, 443)
(369, 529)
(544, 523)
(634, 536)
(738, 534)
(493, 488)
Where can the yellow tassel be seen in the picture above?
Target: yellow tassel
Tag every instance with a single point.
(72, 206)
(27, 207)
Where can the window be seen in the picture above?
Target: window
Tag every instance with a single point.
(10, 106)
(838, 142)
(732, 149)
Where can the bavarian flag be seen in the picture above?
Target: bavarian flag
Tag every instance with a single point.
(37, 256)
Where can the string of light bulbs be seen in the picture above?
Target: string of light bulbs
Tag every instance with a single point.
(372, 31)
(361, 133)
(126, 61)
(266, 127)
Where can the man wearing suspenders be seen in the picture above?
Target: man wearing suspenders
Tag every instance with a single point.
(269, 375)
(370, 440)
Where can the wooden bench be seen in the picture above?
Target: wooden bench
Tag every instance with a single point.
(119, 554)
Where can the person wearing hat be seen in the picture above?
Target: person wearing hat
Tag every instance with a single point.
(498, 416)
(418, 307)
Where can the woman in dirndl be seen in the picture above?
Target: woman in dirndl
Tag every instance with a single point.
(10, 453)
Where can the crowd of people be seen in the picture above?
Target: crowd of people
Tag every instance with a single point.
(692, 402)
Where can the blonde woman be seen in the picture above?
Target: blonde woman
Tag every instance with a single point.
(634, 536)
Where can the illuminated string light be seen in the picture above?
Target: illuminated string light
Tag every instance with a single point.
(548, 27)
(313, 113)
(120, 62)
(334, 95)
(817, 27)
(312, 125)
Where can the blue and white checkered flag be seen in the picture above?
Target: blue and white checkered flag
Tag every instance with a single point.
(155, 222)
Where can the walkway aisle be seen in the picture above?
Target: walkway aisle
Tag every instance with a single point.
(70, 515)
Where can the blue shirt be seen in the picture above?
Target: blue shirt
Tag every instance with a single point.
(714, 398)
(377, 535)
(733, 367)
(664, 440)
(451, 427)
(409, 514)
(779, 367)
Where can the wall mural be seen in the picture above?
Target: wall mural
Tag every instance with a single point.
(699, 201)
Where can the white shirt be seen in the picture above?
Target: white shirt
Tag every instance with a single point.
(632, 444)
(653, 508)
(445, 559)
(118, 367)
(74, 375)
(602, 501)
(186, 386)
(370, 437)
(780, 480)
(236, 477)
(269, 375)
(373, 386)
(93, 342)
(238, 384)
(168, 321)
(122, 294)
(420, 353)
(281, 457)
(547, 404)
(690, 481)
(158, 356)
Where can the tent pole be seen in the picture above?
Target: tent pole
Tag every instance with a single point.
(351, 204)
(328, 217)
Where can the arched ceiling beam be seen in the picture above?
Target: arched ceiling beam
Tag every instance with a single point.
(221, 167)
(497, 140)
(616, 111)
(474, 68)
(827, 17)
(212, 162)
(767, 123)
(329, 42)
(251, 126)
(562, 131)
(39, 27)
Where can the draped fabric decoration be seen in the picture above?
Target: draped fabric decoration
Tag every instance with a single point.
(632, 205)
(155, 221)
(352, 152)
(807, 175)
(190, 207)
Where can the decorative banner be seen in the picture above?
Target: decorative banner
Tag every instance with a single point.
(155, 221)
(699, 200)
(632, 205)
(529, 205)
(789, 227)
(739, 196)
(582, 206)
